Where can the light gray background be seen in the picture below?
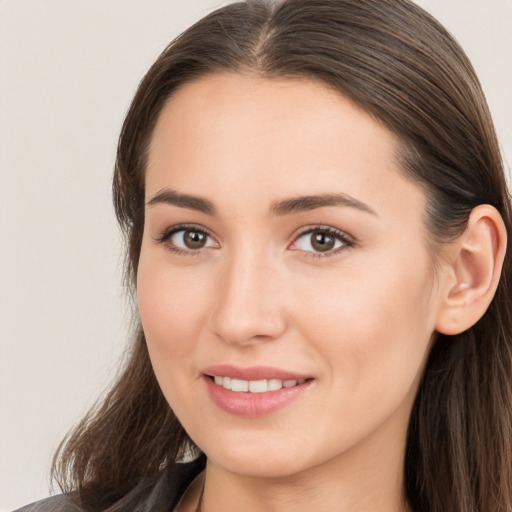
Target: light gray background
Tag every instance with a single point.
(68, 69)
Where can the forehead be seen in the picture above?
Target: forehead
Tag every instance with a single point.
(231, 133)
(234, 107)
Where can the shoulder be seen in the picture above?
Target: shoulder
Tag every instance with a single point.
(61, 503)
(151, 495)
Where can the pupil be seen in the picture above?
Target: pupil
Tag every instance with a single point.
(322, 242)
(194, 239)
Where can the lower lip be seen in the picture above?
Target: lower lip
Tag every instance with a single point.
(252, 405)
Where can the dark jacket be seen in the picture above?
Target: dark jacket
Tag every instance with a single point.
(160, 494)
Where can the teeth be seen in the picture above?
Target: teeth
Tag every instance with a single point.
(258, 386)
(255, 386)
(274, 384)
(226, 382)
(239, 385)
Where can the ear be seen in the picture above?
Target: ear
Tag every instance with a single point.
(476, 259)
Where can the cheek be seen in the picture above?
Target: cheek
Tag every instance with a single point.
(372, 325)
(172, 306)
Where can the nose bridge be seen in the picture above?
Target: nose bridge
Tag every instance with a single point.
(248, 306)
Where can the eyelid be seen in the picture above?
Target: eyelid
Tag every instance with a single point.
(347, 240)
(172, 230)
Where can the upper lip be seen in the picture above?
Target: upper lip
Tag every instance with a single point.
(252, 372)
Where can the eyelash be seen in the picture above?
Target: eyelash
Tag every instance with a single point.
(347, 241)
(168, 233)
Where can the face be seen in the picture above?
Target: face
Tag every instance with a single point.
(285, 287)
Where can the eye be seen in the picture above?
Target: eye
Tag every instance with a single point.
(322, 241)
(184, 239)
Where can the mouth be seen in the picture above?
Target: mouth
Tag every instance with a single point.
(256, 391)
(255, 386)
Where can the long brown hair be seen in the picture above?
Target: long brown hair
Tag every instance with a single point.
(397, 63)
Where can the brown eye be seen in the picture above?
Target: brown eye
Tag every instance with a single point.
(322, 242)
(194, 239)
(186, 240)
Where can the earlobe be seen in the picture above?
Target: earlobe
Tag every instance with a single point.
(475, 270)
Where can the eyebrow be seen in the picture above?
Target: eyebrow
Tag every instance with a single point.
(280, 208)
(168, 196)
(312, 202)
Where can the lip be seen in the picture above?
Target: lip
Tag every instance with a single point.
(253, 405)
(253, 372)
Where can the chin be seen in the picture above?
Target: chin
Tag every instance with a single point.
(259, 465)
(257, 457)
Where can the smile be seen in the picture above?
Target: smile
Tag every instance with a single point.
(256, 391)
(255, 386)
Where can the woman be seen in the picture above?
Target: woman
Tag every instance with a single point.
(316, 218)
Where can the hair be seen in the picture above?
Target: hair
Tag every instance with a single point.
(398, 64)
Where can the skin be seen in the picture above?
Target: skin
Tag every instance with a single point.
(358, 319)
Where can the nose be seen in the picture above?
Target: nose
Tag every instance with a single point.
(249, 306)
